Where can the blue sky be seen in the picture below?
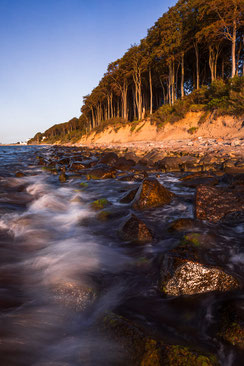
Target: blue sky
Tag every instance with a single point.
(53, 52)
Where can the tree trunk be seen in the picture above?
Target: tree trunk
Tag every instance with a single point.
(234, 49)
(151, 91)
(182, 76)
(197, 65)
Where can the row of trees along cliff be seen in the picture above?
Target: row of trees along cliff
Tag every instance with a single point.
(193, 44)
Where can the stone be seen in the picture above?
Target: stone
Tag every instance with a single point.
(190, 278)
(124, 164)
(128, 197)
(109, 158)
(19, 174)
(141, 349)
(212, 203)
(151, 194)
(182, 224)
(63, 177)
(170, 164)
(103, 172)
(135, 230)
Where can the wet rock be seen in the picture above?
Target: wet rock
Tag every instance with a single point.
(190, 164)
(128, 197)
(135, 230)
(170, 164)
(182, 224)
(151, 194)
(111, 213)
(76, 166)
(140, 349)
(100, 204)
(19, 174)
(124, 164)
(103, 172)
(63, 177)
(183, 277)
(213, 203)
(64, 161)
(109, 158)
(193, 183)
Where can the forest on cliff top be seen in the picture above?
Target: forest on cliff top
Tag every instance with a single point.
(191, 59)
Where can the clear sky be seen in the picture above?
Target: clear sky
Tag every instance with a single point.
(53, 52)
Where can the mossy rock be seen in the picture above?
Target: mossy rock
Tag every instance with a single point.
(192, 239)
(84, 185)
(141, 349)
(100, 204)
(234, 334)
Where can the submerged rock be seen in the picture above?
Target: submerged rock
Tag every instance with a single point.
(140, 349)
(19, 174)
(151, 194)
(182, 224)
(135, 230)
(213, 203)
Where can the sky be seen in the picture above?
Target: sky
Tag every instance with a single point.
(54, 52)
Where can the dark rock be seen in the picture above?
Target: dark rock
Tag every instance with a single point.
(135, 230)
(124, 164)
(182, 224)
(129, 196)
(193, 183)
(109, 158)
(170, 164)
(140, 349)
(213, 203)
(103, 172)
(76, 166)
(19, 175)
(190, 164)
(151, 194)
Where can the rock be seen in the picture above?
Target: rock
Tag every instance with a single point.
(128, 197)
(124, 164)
(63, 177)
(193, 183)
(170, 164)
(213, 203)
(181, 277)
(109, 158)
(76, 166)
(100, 204)
(182, 224)
(103, 172)
(140, 349)
(19, 175)
(135, 230)
(190, 164)
(151, 194)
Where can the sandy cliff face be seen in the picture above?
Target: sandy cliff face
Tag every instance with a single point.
(222, 127)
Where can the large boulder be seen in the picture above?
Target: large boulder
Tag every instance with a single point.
(151, 194)
(214, 203)
(135, 230)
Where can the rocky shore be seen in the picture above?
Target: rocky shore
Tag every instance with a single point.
(195, 266)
